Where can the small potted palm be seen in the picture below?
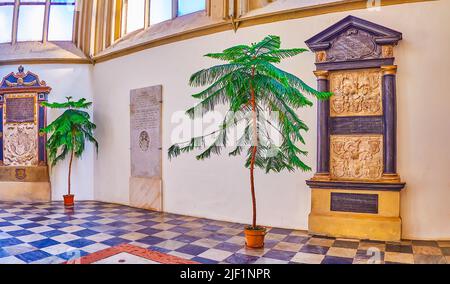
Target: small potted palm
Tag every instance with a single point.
(68, 135)
(251, 85)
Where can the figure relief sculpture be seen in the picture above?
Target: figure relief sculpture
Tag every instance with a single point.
(356, 93)
(356, 157)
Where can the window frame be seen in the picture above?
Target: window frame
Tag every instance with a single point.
(10, 4)
(124, 12)
(45, 27)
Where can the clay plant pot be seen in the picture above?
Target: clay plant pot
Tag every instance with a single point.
(68, 200)
(254, 237)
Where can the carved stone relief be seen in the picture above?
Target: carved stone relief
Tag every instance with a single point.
(387, 51)
(356, 157)
(20, 144)
(353, 44)
(321, 56)
(356, 93)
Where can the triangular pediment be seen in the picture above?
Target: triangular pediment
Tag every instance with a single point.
(352, 25)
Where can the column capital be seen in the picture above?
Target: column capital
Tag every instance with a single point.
(389, 69)
(321, 74)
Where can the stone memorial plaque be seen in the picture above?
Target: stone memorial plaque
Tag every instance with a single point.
(145, 118)
(20, 109)
(146, 153)
(354, 202)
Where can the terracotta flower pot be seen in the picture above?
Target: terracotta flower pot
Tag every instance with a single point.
(68, 200)
(254, 237)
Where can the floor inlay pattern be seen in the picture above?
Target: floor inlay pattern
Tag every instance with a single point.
(48, 233)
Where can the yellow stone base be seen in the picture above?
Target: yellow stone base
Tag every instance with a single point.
(384, 226)
(25, 191)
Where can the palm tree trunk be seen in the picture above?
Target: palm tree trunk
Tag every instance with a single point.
(254, 149)
(70, 171)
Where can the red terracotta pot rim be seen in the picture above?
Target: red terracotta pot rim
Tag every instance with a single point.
(253, 232)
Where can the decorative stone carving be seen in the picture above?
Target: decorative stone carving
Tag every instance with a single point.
(321, 56)
(20, 146)
(356, 93)
(387, 51)
(354, 44)
(358, 157)
(24, 174)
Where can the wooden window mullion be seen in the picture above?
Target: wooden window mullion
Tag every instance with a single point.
(46, 20)
(15, 22)
(174, 9)
(147, 14)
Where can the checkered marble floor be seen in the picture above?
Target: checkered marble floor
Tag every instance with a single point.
(48, 233)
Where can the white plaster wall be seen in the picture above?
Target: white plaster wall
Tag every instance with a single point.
(66, 80)
(218, 188)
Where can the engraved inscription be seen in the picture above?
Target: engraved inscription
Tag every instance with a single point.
(353, 44)
(356, 93)
(354, 202)
(20, 109)
(358, 157)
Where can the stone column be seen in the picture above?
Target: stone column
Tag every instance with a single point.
(390, 121)
(323, 139)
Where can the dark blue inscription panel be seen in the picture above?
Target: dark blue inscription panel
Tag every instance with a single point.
(357, 125)
(354, 202)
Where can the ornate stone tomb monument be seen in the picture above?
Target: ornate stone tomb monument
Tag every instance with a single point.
(146, 152)
(23, 159)
(356, 190)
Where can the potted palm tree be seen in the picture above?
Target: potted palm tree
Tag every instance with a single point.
(250, 84)
(68, 135)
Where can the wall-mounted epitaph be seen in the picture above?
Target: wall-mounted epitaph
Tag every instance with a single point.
(357, 132)
(23, 158)
(145, 111)
(146, 152)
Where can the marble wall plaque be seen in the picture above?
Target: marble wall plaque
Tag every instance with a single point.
(145, 118)
(146, 153)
